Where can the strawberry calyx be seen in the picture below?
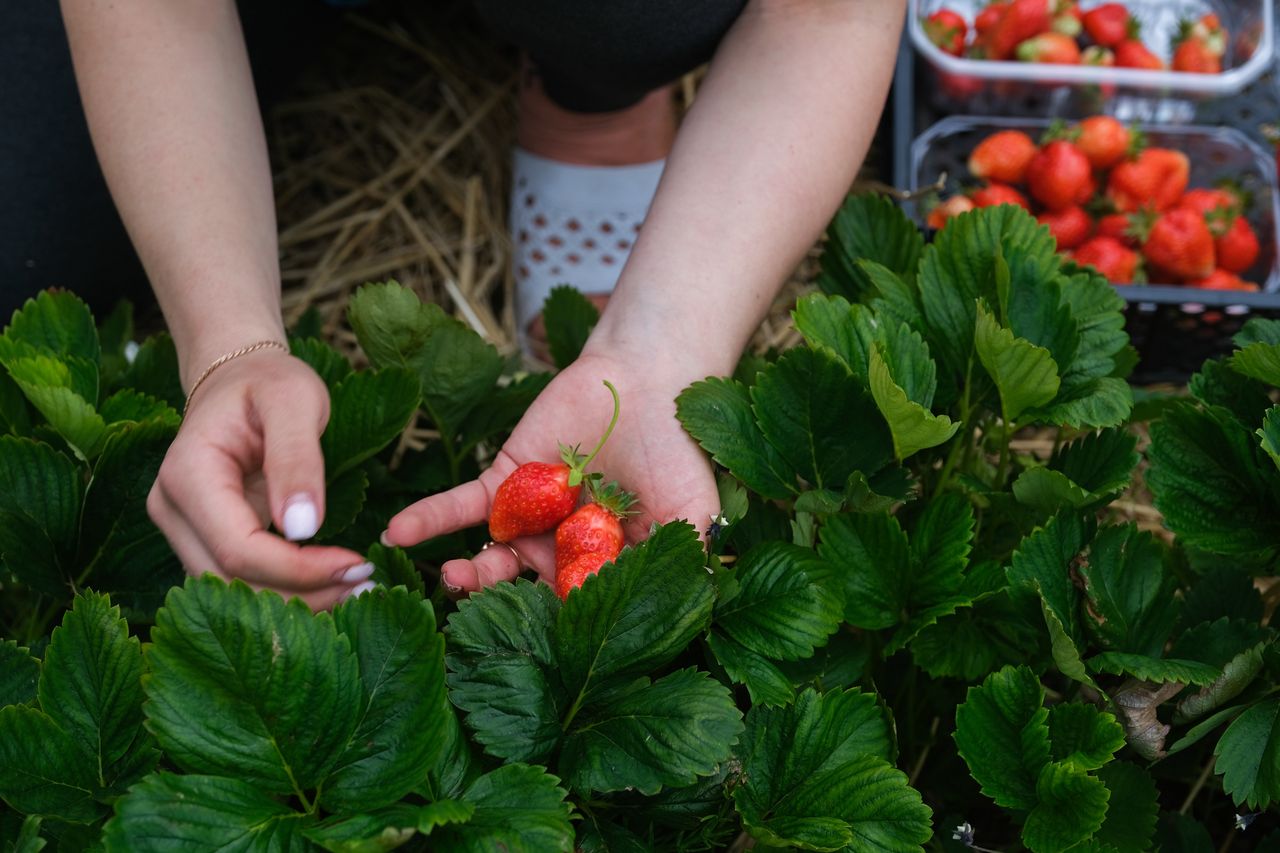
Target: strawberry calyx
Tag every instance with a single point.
(1141, 222)
(1133, 29)
(576, 461)
(1059, 130)
(1221, 219)
(612, 497)
(1137, 142)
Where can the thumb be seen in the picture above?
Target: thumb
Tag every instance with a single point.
(292, 463)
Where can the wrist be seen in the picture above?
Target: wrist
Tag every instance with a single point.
(197, 352)
(674, 351)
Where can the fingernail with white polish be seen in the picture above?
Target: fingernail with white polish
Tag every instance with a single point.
(382, 537)
(450, 587)
(360, 590)
(301, 521)
(357, 573)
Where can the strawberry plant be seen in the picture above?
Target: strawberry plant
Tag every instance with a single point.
(905, 629)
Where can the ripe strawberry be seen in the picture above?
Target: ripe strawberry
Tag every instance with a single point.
(1050, 47)
(1117, 225)
(988, 17)
(994, 194)
(1103, 140)
(539, 495)
(1195, 57)
(1221, 279)
(1021, 20)
(954, 206)
(1206, 201)
(594, 531)
(1156, 178)
(1059, 176)
(1070, 227)
(1237, 248)
(1134, 54)
(947, 30)
(1109, 257)
(1108, 24)
(1178, 242)
(1003, 156)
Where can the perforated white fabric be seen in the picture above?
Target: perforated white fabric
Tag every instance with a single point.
(573, 225)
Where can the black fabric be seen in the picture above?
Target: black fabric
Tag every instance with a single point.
(603, 55)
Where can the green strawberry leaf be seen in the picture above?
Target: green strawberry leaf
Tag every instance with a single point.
(43, 770)
(279, 685)
(400, 730)
(1248, 756)
(1050, 491)
(600, 836)
(1025, 375)
(387, 828)
(819, 777)
(19, 670)
(776, 610)
(843, 330)
(453, 768)
(154, 372)
(15, 412)
(1085, 473)
(1259, 330)
(1223, 592)
(344, 500)
(500, 410)
(121, 550)
(329, 364)
(870, 227)
(128, 405)
(820, 418)
(1044, 561)
(40, 497)
(502, 669)
(368, 410)
(1131, 592)
(765, 682)
(1217, 642)
(717, 413)
(1259, 361)
(56, 322)
(166, 812)
(974, 641)
(911, 424)
(635, 615)
(53, 387)
(1269, 434)
(1218, 385)
(455, 367)
(1214, 484)
(518, 808)
(1237, 674)
(28, 840)
(1071, 807)
(1083, 736)
(1161, 670)
(650, 735)
(1132, 808)
(90, 683)
(569, 318)
(1002, 734)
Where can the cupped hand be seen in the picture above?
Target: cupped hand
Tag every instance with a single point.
(649, 455)
(247, 455)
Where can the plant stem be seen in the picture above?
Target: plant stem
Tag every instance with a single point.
(575, 474)
(1195, 789)
(924, 753)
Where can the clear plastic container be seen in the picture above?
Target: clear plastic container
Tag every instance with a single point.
(965, 83)
(1215, 153)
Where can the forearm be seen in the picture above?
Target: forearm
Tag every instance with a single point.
(762, 161)
(169, 97)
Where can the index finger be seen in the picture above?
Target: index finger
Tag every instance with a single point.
(449, 511)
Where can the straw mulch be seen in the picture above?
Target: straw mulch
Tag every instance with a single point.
(393, 162)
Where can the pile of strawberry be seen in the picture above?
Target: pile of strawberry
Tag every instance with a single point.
(538, 497)
(1116, 204)
(1059, 31)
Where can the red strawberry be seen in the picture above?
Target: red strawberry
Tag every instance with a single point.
(1195, 57)
(1109, 257)
(1059, 176)
(1108, 24)
(1156, 178)
(1208, 31)
(1179, 243)
(1134, 54)
(574, 572)
(1117, 225)
(1070, 227)
(1221, 279)
(994, 194)
(1050, 47)
(594, 530)
(539, 495)
(1237, 248)
(1003, 156)
(953, 206)
(1103, 140)
(960, 87)
(1206, 201)
(947, 30)
(989, 17)
(1021, 20)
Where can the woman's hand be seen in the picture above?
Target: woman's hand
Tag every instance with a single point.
(649, 454)
(249, 454)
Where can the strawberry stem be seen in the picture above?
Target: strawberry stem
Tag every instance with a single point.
(576, 470)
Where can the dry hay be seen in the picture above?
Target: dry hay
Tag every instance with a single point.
(393, 162)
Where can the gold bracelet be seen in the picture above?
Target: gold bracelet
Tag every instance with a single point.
(223, 359)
